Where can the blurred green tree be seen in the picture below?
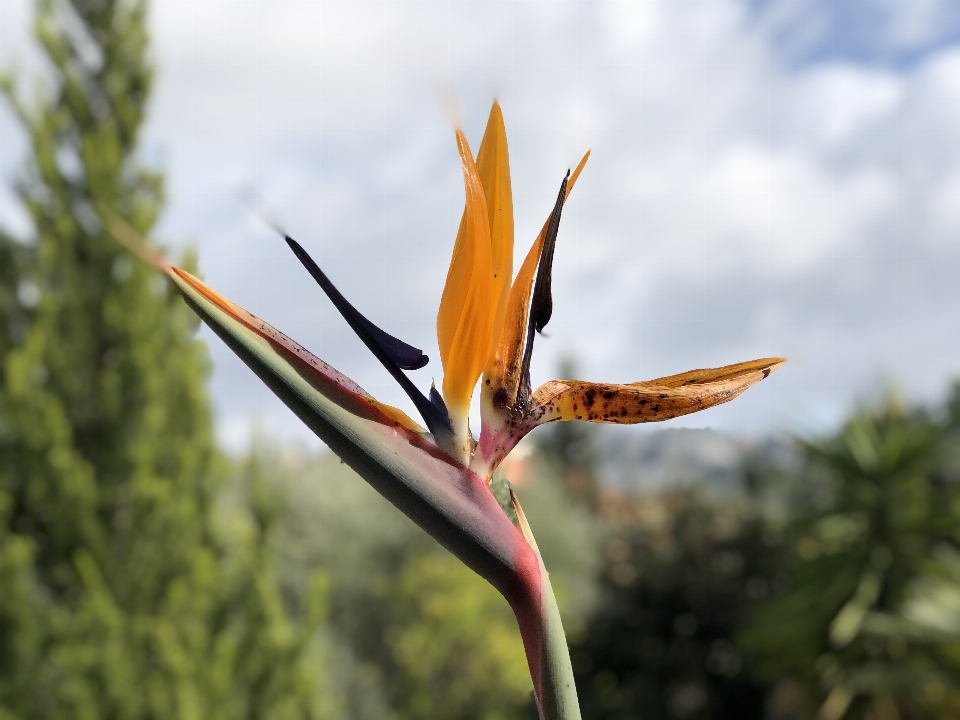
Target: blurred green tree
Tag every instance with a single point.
(128, 589)
(870, 626)
(453, 644)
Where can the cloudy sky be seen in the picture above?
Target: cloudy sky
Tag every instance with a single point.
(769, 177)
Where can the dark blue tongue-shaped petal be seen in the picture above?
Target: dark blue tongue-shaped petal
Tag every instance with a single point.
(541, 306)
(394, 354)
(406, 356)
(541, 309)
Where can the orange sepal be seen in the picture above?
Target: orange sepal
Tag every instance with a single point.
(493, 166)
(468, 307)
(503, 371)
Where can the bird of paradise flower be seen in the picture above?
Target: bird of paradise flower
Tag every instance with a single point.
(440, 476)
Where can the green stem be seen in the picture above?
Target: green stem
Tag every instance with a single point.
(557, 696)
(559, 690)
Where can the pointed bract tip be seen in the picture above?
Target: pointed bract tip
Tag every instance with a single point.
(136, 243)
(404, 355)
(251, 200)
(450, 105)
(577, 171)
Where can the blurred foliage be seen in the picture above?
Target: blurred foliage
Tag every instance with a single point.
(455, 642)
(829, 588)
(871, 551)
(416, 634)
(128, 589)
(678, 573)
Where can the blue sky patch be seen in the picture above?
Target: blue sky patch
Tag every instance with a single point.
(896, 34)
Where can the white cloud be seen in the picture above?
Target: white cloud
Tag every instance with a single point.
(945, 211)
(779, 211)
(834, 102)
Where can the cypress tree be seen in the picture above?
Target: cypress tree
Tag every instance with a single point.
(127, 590)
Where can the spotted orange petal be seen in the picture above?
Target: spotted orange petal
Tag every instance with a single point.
(647, 401)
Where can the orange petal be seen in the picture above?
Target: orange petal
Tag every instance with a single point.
(468, 307)
(647, 401)
(493, 166)
(503, 371)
